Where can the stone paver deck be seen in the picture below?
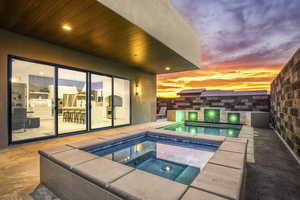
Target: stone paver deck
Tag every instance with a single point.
(272, 173)
(19, 164)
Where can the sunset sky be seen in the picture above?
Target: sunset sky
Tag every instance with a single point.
(244, 43)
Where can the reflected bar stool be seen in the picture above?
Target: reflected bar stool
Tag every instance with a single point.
(71, 116)
(82, 117)
(65, 115)
(77, 116)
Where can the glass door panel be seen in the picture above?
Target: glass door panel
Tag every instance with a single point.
(101, 91)
(121, 101)
(32, 100)
(72, 110)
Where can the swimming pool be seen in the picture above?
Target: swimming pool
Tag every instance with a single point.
(228, 130)
(176, 159)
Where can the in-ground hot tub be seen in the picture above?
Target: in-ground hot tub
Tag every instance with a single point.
(176, 159)
(153, 164)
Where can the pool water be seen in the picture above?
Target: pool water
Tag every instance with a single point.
(174, 160)
(206, 129)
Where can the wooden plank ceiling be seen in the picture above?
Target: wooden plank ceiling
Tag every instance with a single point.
(96, 30)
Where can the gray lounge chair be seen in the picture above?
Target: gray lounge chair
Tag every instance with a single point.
(162, 113)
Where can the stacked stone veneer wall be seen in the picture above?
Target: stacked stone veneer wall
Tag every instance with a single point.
(234, 103)
(285, 103)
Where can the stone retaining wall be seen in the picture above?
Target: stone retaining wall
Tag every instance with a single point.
(285, 103)
(234, 103)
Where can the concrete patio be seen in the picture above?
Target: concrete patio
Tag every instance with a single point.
(272, 172)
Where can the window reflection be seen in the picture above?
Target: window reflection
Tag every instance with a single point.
(121, 101)
(32, 100)
(101, 90)
(71, 101)
(34, 95)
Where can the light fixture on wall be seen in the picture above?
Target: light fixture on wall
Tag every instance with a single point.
(137, 89)
(66, 27)
(167, 68)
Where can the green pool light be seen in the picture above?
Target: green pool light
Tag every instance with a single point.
(193, 131)
(180, 129)
(230, 132)
(211, 114)
(193, 116)
(234, 118)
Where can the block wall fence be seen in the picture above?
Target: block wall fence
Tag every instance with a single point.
(285, 103)
(232, 103)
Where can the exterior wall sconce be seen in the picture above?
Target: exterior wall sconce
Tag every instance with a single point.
(137, 89)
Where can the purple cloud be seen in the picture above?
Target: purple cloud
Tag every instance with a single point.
(233, 31)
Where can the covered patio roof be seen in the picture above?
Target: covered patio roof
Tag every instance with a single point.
(105, 30)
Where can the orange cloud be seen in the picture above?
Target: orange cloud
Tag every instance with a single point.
(224, 77)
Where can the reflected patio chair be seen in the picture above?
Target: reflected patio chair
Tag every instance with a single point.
(19, 119)
(162, 113)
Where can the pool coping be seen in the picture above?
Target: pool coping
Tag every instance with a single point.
(82, 174)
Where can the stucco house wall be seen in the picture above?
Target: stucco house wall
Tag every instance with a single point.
(143, 105)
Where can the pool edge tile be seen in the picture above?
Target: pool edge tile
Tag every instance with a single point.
(85, 143)
(53, 150)
(221, 180)
(73, 157)
(228, 159)
(237, 147)
(113, 171)
(142, 185)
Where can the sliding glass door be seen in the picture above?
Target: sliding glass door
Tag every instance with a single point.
(32, 100)
(101, 99)
(47, 100)
(72, 98)
(121, 102)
